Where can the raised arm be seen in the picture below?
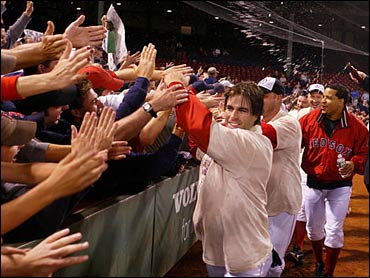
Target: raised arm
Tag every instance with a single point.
(55, 152)
(153, 128)
(27, 173)
(15, 31)
(192, 116)
(63, 75)
(163, 99)
(130, 74)
(82, 167)
(29, 54)
(137, 93)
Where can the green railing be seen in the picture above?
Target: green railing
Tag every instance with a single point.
(142, 235)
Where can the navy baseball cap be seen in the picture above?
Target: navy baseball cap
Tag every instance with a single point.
(271, 85)
(217, 88)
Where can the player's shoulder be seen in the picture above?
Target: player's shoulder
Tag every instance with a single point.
(311, 115)
(303, 112)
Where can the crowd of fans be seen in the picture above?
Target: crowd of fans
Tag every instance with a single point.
(68, 122)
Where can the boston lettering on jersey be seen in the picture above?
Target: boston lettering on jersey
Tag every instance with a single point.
(331, 144)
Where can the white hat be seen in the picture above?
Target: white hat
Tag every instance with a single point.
(316, 87)
(227, 83)
(271, 85)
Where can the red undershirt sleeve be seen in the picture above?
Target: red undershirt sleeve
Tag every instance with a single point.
(270, 132)
(195, 118)
(192, 147)
(9, 88)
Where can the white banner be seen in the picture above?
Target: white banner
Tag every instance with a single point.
(119, 36)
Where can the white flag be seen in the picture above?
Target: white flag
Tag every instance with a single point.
(120, 43)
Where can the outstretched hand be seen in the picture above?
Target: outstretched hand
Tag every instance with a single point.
(52, 46)
(105, 130)
(168, 65)
(211, 101)
(29, 8)
(174, 75)
(83, 165)
(166, 98)
(119, 150)
(130, 60)
(52, 254)
(200, 71)
(65, 71)
(182, 69)
(84, 139)
(147, 61)
(84, 36)
(100, 137)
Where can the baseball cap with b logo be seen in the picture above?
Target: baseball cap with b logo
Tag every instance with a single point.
(271, 85)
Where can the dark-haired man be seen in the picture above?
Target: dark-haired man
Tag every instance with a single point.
(326, 133)
(230, 216)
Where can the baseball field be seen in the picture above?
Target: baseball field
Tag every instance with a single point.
(353, 260)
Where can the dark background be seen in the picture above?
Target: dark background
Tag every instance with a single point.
(148, 21)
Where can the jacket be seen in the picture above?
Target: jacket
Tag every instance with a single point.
(349, 138)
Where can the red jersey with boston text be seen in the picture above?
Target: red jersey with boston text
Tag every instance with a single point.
(350, 138)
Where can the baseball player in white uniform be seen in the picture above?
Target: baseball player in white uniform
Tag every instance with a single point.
(284, 192)
(315, 95)
(230, 216)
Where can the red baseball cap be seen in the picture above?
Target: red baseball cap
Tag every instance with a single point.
(100, 78)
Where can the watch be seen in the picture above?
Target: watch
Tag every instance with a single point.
(148, 108)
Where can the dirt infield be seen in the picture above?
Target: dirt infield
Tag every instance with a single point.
(353, 260)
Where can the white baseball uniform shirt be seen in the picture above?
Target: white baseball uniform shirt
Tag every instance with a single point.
(230, 216)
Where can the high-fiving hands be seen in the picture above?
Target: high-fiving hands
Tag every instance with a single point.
(84, 36)
(147, 62)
